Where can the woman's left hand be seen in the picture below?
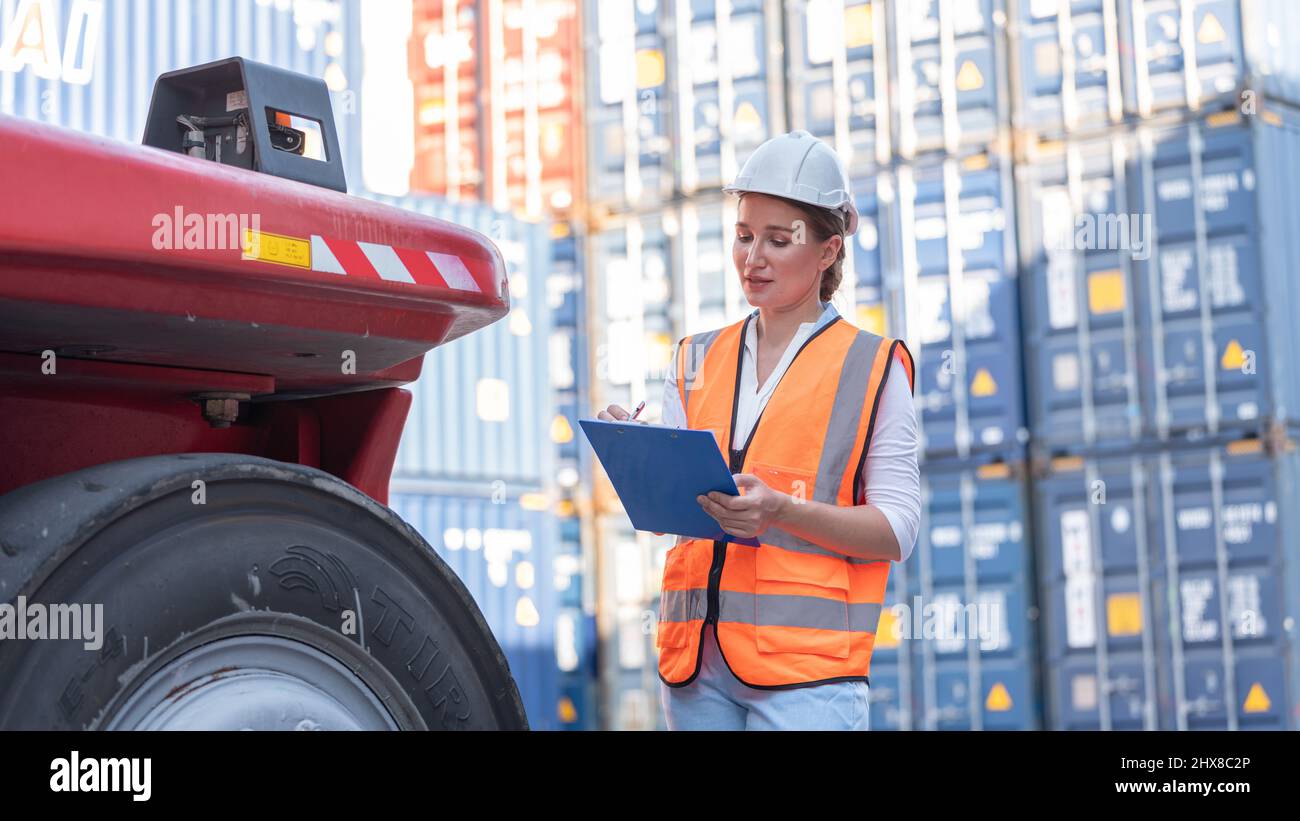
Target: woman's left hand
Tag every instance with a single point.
(748, 515)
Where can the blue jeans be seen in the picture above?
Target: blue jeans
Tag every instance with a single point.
(716, 700)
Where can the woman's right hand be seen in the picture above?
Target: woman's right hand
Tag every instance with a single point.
(615, 413)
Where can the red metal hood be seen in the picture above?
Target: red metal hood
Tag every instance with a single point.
(98, 259)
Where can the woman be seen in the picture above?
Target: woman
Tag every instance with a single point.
(817, 420)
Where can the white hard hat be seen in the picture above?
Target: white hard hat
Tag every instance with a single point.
(800, 167)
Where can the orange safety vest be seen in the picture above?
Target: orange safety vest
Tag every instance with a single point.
(788, 613)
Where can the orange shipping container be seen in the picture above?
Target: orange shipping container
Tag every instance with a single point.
(498, 103)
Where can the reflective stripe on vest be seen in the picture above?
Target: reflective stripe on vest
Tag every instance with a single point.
(789, 613)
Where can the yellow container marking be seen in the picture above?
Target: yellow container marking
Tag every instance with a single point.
(1233, 356)
(857, 26)
(1257, 701)
(969, 77)
(983, 383)
(1211, 31)
(1124, 615)
(1106, 292)
(999, 700)
(649, 68)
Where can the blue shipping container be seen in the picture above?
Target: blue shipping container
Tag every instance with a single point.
(957, 640)
(568, 366)
(90, 65)
(1159, 300)
(507, 557)
(632, 266)
(1081, 312)
(1066, 71)
(677, 92)
(1222, 302)
(483, 407)
(1086, 65)
(951, 65)
(1198, 53)
(566, 298)
(1170, 580)
(953, 227)
(630, 133)
(724, 58)
(833, 83)
(874, 303)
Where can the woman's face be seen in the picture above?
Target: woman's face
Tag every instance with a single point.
(778, 258)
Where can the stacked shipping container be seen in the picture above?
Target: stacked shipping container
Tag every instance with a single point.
(1169, 318)
(945, 278)
(1006, 120)
(498, 113)
(1158, 246)
(481, 444)
(955, 648)
(91, 64)
(569, 380)
(1169, 581)
(498, 104)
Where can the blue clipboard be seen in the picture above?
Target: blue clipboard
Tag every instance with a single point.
(658, 471)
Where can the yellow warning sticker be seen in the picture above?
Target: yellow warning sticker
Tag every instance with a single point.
(747, 116)
(886, 634)
(857, 26)
(983, 384)
(534, 501)
(999, 700)
(997, 470)
(872, 318)
(276, 248)
(1222, 118)
(969, 77)
(1245, 446)
(649, 68)
(566, 711)
(1211, 31)
(1124, 615)
(1064, 463)
(1105, 292)
(561, 430)
(1233, 356)
(1257, 701)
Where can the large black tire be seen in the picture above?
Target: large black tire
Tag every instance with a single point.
(275, 550)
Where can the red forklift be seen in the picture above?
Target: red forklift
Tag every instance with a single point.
(202, 343)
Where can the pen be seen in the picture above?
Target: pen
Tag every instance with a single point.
(637, 411)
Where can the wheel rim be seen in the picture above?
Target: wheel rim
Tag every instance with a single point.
(253, 682)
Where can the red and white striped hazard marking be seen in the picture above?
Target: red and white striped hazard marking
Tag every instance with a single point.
(373, 261)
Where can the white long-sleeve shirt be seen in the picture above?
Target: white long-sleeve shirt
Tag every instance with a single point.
(890, 477)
